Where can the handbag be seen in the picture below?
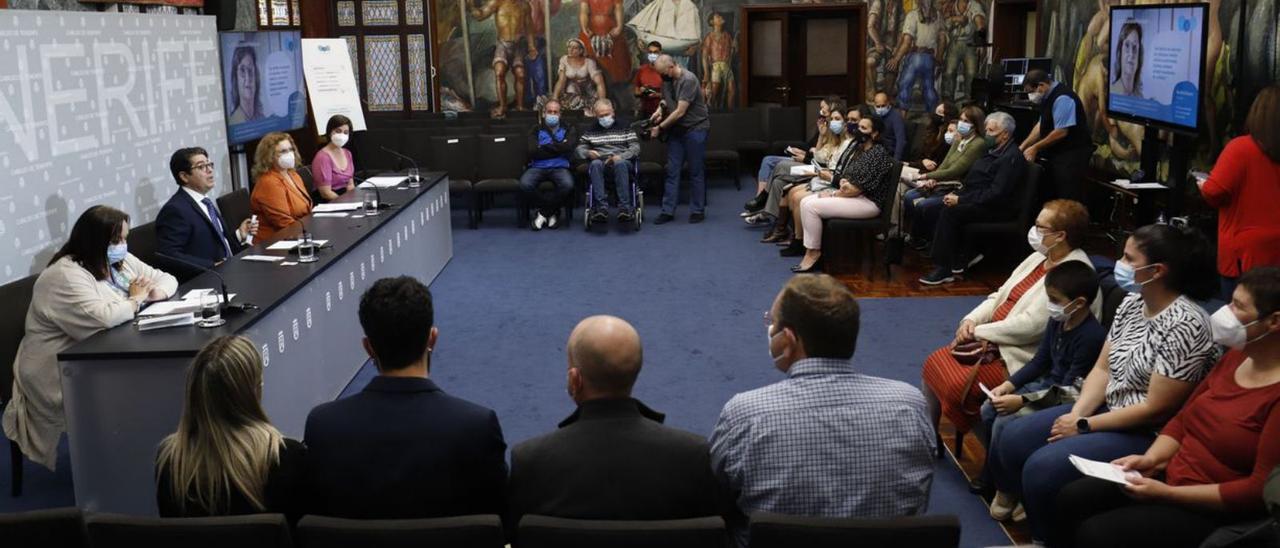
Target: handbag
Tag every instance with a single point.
(973, 354)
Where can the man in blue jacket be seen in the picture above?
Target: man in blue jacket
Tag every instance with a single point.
(190, 230)
(550, 144)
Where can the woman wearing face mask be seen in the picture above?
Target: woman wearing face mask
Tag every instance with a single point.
(935, 145)
(922, 202)
(836, 148)
(332, 169)
(279, 197)
(1159, 346)
(92, 284)
(862, 192)
(1209, 465)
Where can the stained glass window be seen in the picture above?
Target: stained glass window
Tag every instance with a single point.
(382, 69)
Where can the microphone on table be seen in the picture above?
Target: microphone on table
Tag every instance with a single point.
(226, 302)
(402, 157)
(376, 191)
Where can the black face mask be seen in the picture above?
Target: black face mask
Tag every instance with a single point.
(935, 119)
(666, 78)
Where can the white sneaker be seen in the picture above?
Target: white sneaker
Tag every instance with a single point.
(553, 221)
(539, 221)
(1002, 506)
(1019, 514)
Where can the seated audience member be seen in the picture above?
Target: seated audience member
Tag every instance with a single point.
(1072, 341)
(934, 144)
(834, 153)
(826, 441)
(1209, 465)
(862, 194)
(895, 134)
(1245, 187)
(92, 283)
(612, 458)
(794, 156)
(1159, 347)
(190, 227)
(921, 204)
(986, 195)
(332, 170)
(226, 458)
(402, 448)
(550, 144)
(1012, 319)
(279, 197)
(609, 144)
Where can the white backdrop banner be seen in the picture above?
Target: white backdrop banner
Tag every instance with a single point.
(91, 107)
(331, 82)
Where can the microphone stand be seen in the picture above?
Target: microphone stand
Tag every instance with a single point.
(376, 191)
(403, 157)
(226, 302)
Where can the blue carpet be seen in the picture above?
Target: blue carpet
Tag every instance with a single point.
(696, 293)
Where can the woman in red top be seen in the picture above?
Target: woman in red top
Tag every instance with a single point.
(1214, 455)
(1245, 187)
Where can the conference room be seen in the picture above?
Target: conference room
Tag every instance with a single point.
(492, 273)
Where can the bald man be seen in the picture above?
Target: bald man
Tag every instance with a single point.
(684, 117)
(612, 458)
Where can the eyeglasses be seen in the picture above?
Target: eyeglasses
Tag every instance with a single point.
(207, 166)
(768, 318)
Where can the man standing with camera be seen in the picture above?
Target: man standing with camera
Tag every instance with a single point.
(683, 116)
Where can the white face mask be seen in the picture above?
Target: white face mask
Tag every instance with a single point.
(1035, 96)
(1229, 332)
(1059, 312)
(339, 139)
(949, 137)
(1036, 240)
(769, 335)
(286, 161)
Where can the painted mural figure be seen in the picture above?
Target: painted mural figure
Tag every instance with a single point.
(581, 81)
(917, 54)
(883, 17)
(964, 19)
(537, 81)
(674, 23)
(717, 64)
(514, 21)
(601, 33)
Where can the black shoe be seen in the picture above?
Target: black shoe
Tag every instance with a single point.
(663, 219)
(794, 249)
(757, 203)
(979, 487)
(625, 216)
(938, 277)
(695, 218)
(970, 264)
(919, 244)
(815, 267)
(600, 215)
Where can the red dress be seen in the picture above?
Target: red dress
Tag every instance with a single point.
(617, 63)
(947, 377)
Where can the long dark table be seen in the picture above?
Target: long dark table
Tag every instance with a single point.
(123, 388)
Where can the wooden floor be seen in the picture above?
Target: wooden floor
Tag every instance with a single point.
(970, 464)
(904, 279)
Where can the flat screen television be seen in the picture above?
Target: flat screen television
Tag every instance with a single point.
(1016, 69)
(262, 79)
(1156, 64)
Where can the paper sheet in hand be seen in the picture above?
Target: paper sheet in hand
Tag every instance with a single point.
(262, 258)
(807, 171)
(285, 245)
(385, 182)
(986, 391)
(1102, 470)
(909, 174)
(329, 208)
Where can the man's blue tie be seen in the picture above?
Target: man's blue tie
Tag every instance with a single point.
(217, 224)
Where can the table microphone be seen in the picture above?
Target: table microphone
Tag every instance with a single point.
(226, 302)
(376, 191)
(402, 157)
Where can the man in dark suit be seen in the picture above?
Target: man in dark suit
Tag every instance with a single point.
(189, 226)
(402, 448)
(612, 458)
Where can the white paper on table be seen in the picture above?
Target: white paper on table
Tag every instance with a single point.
(986, 391)
(197, 293)
(1129, 185)
(1103, 470)
(330, 214)
(288, 263)
(187, 305)
(171, 320)
(262, 258)
(285, 245)
(806, 170)
(385, 182)
(329, 208)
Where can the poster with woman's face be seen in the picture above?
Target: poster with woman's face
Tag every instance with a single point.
(262, 73)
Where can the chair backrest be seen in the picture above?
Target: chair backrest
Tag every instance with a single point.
(254, 531)
(476, 116)
(785, 124)
(366, 148)
(462, 130)
(416, 145)
(748, 124)
(722, 136)
(54, 528)
(775, 530)
(234, 206)
(652, 150)
(1028, 195)
(454, 532)
(453, 155)
(548, 532)
(16, 296)
(143, 243)
(501, 157)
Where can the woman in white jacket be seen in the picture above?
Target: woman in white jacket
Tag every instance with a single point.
(92, 284)
(1013, 318)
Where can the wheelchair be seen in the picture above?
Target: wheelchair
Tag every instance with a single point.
(637, 197)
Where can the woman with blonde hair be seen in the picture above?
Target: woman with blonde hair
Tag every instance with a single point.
(279, 197)
(226, 458)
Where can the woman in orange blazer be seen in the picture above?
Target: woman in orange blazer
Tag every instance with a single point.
(279, 198)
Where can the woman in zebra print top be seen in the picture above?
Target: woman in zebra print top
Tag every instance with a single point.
(1160, 345)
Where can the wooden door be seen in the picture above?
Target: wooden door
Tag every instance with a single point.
(797, 54)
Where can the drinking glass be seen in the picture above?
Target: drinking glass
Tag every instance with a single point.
(307, 250)
(211, 310)
(415, 180)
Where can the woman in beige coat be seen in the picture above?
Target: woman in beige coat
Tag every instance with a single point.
(92, 284)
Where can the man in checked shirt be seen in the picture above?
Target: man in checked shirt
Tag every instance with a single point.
(827, 441)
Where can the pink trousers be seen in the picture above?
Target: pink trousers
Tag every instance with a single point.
(813, 209)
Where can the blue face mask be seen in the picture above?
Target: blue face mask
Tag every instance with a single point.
(552, 120)
(117, 252)
(949, 137)
(652, 57)
(881, 111)
(606, 122)
(836, 126)
(1125, 273)
(965, 128)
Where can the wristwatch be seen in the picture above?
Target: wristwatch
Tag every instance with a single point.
(1082, 425)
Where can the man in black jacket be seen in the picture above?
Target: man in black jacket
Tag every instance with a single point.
(612, 458)
(550, 143)
(1060, 138)
(190, 229)
(986, 196)
(402, 448)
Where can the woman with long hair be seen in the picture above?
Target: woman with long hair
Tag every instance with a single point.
(279, 197)
(246, 86)
(836, 149)
(92, 284)
(226, 458)
(1128, 61)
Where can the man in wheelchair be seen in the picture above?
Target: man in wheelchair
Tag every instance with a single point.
(609, 146)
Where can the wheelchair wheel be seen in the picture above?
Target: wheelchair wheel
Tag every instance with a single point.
(586, 214)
